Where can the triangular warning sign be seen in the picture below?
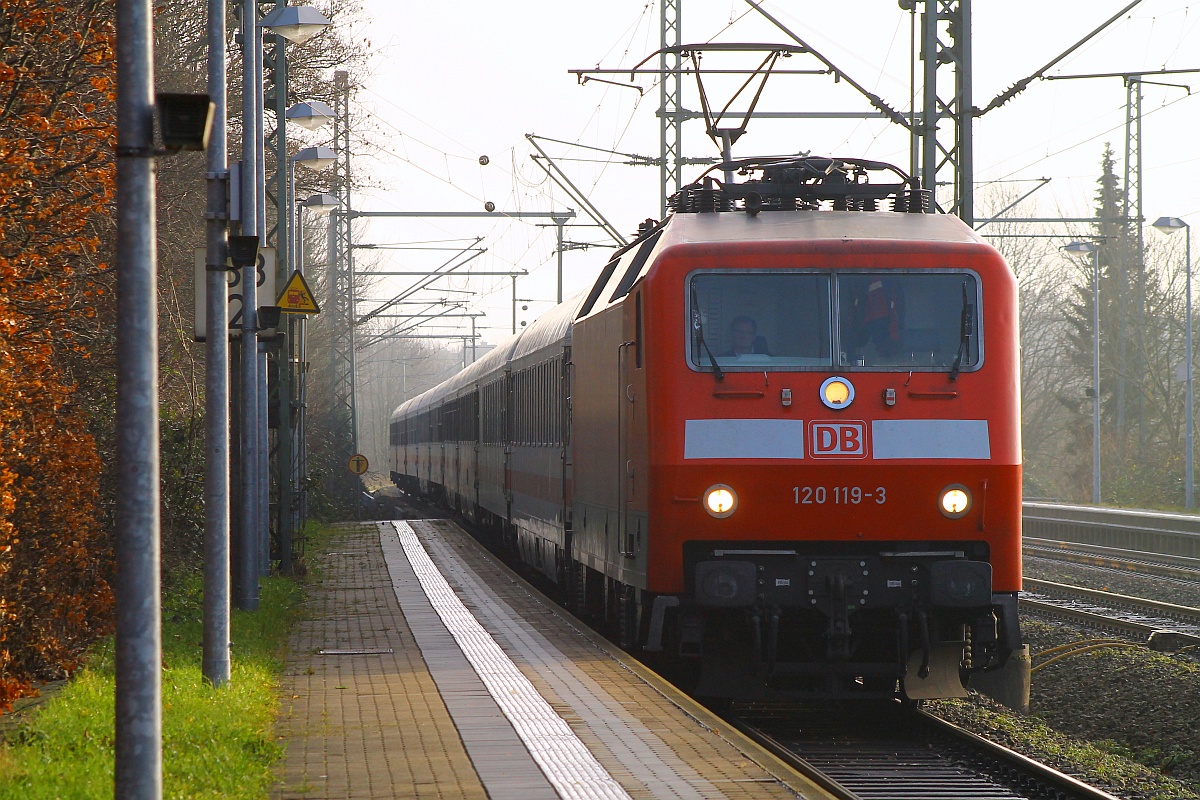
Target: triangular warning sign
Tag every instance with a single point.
(297, 298)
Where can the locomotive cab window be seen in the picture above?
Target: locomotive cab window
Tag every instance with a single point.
(923, 320)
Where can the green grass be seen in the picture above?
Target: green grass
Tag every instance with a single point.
(217, 743)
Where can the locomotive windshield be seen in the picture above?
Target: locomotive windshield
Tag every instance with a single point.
(775, 320)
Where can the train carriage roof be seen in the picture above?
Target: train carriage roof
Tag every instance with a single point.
(550, 329)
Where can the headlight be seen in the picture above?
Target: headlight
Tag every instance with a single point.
(720, 500)
(955, 501)
(837, 393)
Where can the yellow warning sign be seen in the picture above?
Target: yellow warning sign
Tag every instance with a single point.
(358, 464)
(297, 298)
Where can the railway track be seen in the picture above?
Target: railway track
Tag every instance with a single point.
(1161, 565)
(895, 753)
(1117, 613)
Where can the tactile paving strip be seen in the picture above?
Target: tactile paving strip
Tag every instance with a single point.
(642, 753)
(566, 762)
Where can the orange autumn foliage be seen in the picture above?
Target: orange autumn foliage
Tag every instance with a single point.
(57, 84)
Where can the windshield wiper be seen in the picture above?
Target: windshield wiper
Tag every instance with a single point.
(966, 330)
(698, 327)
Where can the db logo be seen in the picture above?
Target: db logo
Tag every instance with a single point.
(838, 439)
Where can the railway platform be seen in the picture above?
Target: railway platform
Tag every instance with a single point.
(424, 668)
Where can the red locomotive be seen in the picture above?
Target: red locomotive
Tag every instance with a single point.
(780, 436)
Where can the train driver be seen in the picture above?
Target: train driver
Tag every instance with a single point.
(744, 338)
(877, 318)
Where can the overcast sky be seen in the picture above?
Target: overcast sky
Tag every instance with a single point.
(452, 81)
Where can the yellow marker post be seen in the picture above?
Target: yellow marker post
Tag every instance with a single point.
(297, 298)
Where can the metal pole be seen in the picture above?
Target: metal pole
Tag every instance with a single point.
(215, 657)
(929, 112)
(296, 348)
(914, 136)
(473, 336)
(259, 118)
(670, 94)
(301, 438)
(727, 154)
(964, 137)
(247, 583)
(1189, 489)
(138, 648)
(251, 79)
(260, 179)
(283, 337)
(263, 546)
(514, 287)
(283, 433)
(558, 223)
(1096, 377)
(255, 222)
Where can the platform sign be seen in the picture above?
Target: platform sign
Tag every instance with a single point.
(358, 464)
(296, 297)
(265, 285)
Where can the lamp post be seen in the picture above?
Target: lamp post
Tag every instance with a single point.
(1169, 225)
(294, 24)
(316, 159)
(321, 205)
(290, 341)
(1093, 250)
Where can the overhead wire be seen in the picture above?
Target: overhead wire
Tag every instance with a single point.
(1092, 138)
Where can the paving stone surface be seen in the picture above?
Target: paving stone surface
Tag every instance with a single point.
(368, 710)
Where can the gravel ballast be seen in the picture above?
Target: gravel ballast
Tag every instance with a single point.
(1124, 719)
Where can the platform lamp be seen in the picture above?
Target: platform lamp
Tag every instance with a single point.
(310, 114)
(1169, 225)
(1093, 250)
(297, 24)
(321, 204)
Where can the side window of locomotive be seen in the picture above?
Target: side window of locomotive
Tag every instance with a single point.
(760, 320)
(908, 320)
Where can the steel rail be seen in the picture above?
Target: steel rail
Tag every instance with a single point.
(1165, 566)
(999, 765)
(1172, 611)
(1100, 622)
(793, 760)
(1071, 787)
